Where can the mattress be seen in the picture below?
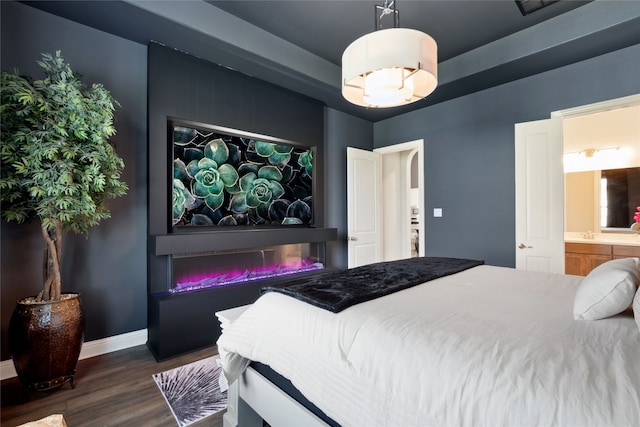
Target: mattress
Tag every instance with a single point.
(489, 346)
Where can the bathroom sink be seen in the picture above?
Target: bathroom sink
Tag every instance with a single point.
(603, 238)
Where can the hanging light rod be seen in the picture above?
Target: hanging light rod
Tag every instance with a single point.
(383, 10)
(389, 67)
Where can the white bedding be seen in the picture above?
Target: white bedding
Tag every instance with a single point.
(490, 346)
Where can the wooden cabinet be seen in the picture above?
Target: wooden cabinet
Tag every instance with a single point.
(620, 251)
(581, 258)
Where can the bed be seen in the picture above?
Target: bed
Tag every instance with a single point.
(487, 346)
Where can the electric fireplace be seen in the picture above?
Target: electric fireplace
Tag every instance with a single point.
(236, 174)
(235, 267)
(194, 274)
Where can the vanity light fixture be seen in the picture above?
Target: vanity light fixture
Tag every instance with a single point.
(590, 152)
(595, 159)
(389, 67)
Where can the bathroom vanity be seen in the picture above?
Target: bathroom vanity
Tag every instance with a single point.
(583, 254)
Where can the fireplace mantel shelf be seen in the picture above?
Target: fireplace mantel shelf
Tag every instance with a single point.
(197, 242)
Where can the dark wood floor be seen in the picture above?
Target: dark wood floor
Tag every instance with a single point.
(114, 389)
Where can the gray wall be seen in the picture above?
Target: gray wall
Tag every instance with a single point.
(109, 268)
(469, 150)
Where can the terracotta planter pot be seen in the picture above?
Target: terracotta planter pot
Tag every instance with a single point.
(45, 339)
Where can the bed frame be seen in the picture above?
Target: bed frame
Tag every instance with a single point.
(253, 398)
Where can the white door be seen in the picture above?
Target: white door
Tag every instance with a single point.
(364, 187)
(539, 196)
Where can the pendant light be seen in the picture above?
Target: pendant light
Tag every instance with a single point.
(389, 67)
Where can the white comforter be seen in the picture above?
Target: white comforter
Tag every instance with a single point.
(490, 346)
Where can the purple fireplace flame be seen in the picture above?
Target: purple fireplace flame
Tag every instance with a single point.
(244, 275)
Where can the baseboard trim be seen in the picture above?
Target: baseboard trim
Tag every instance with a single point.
(91, 349)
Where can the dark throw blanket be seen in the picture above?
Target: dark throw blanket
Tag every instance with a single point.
(337, 290)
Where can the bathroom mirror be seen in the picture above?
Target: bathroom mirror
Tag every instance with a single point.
(601, 201)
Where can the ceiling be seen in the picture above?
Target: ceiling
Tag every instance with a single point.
(619, 127)
(326, 28)
(298, 44)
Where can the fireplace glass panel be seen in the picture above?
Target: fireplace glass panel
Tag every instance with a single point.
(227, 268)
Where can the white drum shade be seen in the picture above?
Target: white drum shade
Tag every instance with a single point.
(389, 67)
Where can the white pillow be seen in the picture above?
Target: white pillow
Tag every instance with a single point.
(607, 290)
(636, 308)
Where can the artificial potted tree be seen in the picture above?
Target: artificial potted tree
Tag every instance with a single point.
(58, 168)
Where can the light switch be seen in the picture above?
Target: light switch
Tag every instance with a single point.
(437, 212)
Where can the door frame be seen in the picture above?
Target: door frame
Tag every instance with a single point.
(597, 107)
(417, 147)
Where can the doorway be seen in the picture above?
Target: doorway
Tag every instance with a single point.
(401, 204)
(525, 245)
(403, 197)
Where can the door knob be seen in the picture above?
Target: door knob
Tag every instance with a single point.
(523, 246)
(353, 239)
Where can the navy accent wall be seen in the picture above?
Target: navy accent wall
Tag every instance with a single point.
(108, 268)
(185, 87)
(469, 150)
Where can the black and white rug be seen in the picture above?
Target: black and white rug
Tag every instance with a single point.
(192, 391)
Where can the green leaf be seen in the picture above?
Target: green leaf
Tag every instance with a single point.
(179, 169)
(246, 168)
(283, 149)
(217, 150)
(246, 182)
(214, 201)
(252, 200)
(279, 159)
(228, 220)
(270, 172)
(228, 175)
(199, 190)
(238, 203)
(276, 189)
(207, 163)
(291, 221)
(264, 149)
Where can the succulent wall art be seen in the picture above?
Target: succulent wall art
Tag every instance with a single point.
(227, 180)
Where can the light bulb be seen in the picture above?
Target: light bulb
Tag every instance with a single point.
(388, 87)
